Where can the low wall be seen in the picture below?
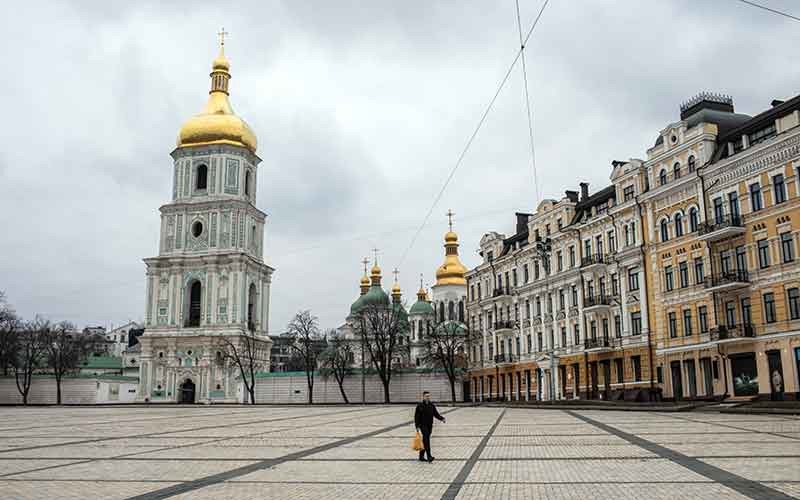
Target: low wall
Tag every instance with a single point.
(282, 388)
(74, 390)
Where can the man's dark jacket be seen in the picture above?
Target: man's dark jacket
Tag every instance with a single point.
(424, 414)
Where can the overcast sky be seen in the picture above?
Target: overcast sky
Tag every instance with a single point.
(361, 109)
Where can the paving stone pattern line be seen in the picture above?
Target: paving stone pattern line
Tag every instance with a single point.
(748, 488)
(262, 464)
(452, 491)
(126, 456)
(719, 424)
(152, 434)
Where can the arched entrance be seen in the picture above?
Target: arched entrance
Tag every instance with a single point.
(186, 394)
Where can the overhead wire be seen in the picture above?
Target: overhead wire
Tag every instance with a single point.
(536, 192)
(770, 9)
(474, 134)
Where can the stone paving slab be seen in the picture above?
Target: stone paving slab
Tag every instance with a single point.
(75, 490)
(353, 452)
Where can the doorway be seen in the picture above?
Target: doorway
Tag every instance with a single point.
(776, 382)
(745, 374)
(677, 380)
(708, 381)
(186, 394)
(691, 377)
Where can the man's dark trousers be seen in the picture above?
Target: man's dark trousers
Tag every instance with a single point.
(426, 441)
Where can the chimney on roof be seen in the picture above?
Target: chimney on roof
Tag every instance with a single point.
(777, 102)
(571, 196)
(522, 222)
(584, 190)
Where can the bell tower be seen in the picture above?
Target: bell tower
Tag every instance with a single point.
(209, 279)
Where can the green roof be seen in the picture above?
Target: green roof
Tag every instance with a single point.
(421, 307)
(102, 362)
(357, 304)
(375, 297)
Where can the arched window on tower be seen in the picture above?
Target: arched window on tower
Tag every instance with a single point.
(251, 308)
(662, 177)
(664, 230)
(194, 304)
(692, 163)
(247, 184)
(676, 171)
(693, 221)
(678, 225)
(201, 181)
(441, 312)
(451, 314)
(461, 311)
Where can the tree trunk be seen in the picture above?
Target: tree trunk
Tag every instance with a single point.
(310, 390)
(58, 390)
(341, 389)
(453, 389)
(386, 392)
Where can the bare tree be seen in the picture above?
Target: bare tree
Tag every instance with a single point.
(29, 354)
(447, 347)
(9, 335)
(337, 360)
(307, 344)
(379, 327)
(244, 352)
(64, 349)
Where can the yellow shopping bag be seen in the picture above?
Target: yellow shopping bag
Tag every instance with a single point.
(416, 443)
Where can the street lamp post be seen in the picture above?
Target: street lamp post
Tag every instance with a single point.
(543, 250)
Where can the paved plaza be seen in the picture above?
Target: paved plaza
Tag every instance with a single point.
(354, 452)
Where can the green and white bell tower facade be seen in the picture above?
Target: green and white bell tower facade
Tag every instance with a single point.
(209, 285)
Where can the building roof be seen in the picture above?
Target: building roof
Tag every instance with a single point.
(583, 209)
(102, 362)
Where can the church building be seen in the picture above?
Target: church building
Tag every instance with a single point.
(209, 285)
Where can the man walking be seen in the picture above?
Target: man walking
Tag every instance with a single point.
(423, 420)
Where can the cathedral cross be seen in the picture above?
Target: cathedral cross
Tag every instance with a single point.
(450, 215)
(375, 251)
(365, 262)
(222, 34)
(395, 272)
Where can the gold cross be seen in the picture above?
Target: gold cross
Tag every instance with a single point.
(420, 280)
(222, 34)
(365, 262)
(375, 251)
(450, 215)
(395, 272)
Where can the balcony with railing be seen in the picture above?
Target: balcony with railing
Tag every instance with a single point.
(597, 301)
(593, 260)
(598, 344)
(501, 291)
(499, 326)
(730, 333)
(505, 358)
(727, 280)
(721, 227)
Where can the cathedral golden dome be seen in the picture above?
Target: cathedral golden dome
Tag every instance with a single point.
(217, 123)
(452, 271)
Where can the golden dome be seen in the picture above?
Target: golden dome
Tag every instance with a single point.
(217, 124)
(365, 280)
(452, 271)
(396, 289)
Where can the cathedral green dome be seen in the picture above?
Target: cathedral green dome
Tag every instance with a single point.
(357, 305)
(421, 306)
(375, 297)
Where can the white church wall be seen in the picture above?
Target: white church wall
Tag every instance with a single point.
(404, 388)
(74, 391)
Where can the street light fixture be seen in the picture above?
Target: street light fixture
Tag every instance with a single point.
(544, 248)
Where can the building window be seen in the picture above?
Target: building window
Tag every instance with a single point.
(618, 326)
(733, 205)
(559, 261)
(741, 258)
(574, 296)
(614, 284)
(769, 308)
(683, 274)
(618, 369)
(525, 273)
(572, 256)
(692, 163)
(563, 336)
(719, 210)
(794, 303)
(730, 314)
(633, 233)
(530, 343)
(664, 230)
(756, 203)
(702, 314)
(780, 188)
(725, 261)
(676, 171)
(605, 328)
(636, 323)
(593, 329)
(693, 221)
(669, 284)
(627, 235)
(699, 274)
(787, 247)
(612, 241)
(201, 181)
(576, 333)
(561, 300)
(747, 318)
(678, 225)
(633, 280)
(687, 322)
(763, 254)
(627, 193)
(673, 325)
(761, 135)
(636, 361)
(662, 177)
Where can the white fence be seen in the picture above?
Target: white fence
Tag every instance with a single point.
(404, 388)
(74, 391)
